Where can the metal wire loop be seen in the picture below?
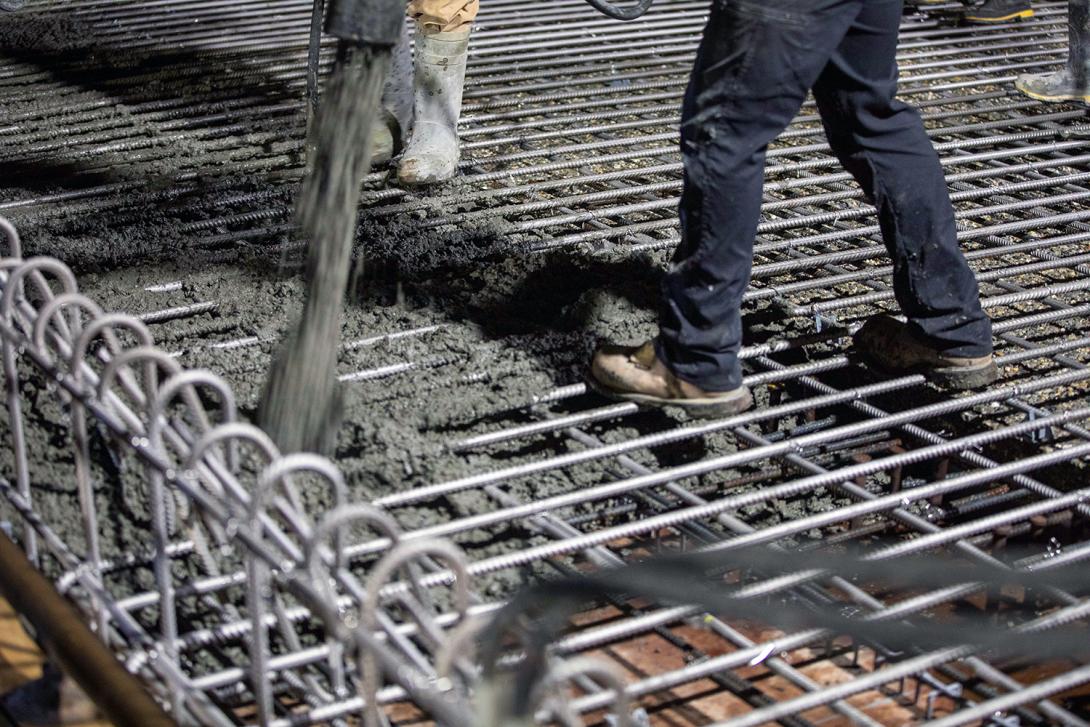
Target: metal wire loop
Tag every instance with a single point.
(15, 246)
(50, 309)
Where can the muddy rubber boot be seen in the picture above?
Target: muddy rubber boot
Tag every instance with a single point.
(432, 155)
(392, 129)
(634, 373)
(888, 346)
(1073, 82)
(998, 11)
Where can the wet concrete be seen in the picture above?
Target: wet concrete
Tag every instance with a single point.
(511, 324)
(301, 405)
(511, 327)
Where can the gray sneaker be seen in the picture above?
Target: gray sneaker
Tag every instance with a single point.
(887, 345)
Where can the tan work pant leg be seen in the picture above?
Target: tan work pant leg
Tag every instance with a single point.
(443, 16)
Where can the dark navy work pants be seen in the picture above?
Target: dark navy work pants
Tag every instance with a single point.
(756, 63)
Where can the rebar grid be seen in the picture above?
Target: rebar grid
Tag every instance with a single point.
(569, 141)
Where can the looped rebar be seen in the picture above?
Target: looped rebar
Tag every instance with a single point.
(15, 247)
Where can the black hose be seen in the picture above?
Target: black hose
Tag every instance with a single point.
(541, 613)
(627, 13)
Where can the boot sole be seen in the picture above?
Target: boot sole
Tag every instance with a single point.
(955, 379)
(1084, 97)
(970, 378)
(1001, 19)
(707, 408)
(417, 182)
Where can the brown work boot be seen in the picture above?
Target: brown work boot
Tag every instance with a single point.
(634, 373)
(888, 346)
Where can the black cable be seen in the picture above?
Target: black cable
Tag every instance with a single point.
(621, 13)
(541, 613)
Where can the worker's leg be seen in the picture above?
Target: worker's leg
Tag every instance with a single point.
(442, 44)
(754, 68)
(1072, 83)
(392, 128)
(883, 143)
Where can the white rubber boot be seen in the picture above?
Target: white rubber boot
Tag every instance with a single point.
(391, 130)
(432, 155)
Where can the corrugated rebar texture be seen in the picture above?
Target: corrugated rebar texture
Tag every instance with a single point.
(173, 131)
